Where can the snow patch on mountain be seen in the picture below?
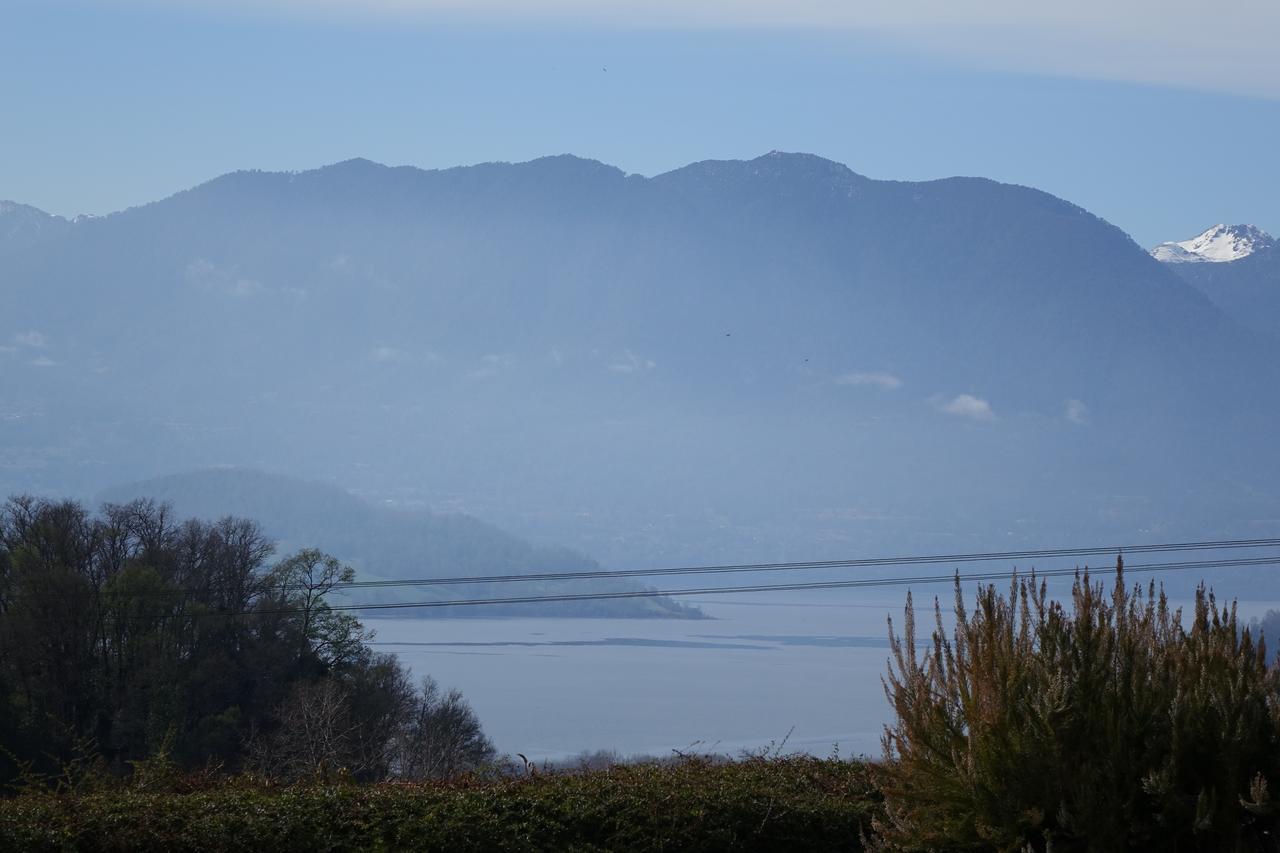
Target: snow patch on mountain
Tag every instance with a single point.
(1219, 244)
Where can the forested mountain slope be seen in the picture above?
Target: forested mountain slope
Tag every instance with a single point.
(774, 358)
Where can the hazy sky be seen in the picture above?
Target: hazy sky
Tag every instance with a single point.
(1160, 116)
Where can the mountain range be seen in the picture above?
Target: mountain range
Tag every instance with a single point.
(738, 360)
(1237, 267)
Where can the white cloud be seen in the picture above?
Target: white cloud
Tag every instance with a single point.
(31, 338)
(878, 379)
(1076, 411)
(199, 270)
(491, 365)
(393, 355)
(206, 275)
(43, 361)
(629, 362)
(1177, 42)
(966, 406)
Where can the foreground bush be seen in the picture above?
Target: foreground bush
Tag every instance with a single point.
(1105, 725)
(766, 805)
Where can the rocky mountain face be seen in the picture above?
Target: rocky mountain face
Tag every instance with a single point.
(1219, 244)
(1237, 267)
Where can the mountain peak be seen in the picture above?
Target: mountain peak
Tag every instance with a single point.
(23, 225)
(355, 163)
(1219, 244)
(776, 167)
(798, 157)
(13, 208)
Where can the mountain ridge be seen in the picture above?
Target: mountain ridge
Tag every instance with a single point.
(519, 340)
(781, 161)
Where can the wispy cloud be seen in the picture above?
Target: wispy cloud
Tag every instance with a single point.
(395, 355)
(966, 406)
(43, 361)
(1076, 411)
(629, 362)
(1178, 42)
(878, 379)
(491, 365)
(206, 275)
(31, 338)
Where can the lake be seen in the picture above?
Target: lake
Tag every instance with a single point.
(742, 680)
(554, 688)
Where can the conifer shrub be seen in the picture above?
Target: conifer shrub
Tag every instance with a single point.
(1106, 723)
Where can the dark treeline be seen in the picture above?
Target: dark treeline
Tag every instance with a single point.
(132, 635)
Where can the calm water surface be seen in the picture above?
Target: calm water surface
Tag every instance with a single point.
(554, 688)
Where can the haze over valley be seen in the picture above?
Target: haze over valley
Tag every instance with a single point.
(639, 426)
(754, 360)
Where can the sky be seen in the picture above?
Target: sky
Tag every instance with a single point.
(1160, 117)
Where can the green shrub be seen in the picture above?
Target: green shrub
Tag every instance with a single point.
(1103, 725)
(691, 805)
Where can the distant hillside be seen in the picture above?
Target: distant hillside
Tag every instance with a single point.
(383, 543)
(754, 360)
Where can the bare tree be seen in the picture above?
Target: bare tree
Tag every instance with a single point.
(316, 734)
(442, 737)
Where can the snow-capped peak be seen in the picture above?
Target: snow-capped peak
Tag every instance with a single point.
(1219, 244)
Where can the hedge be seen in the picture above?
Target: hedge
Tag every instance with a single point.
(694, 804)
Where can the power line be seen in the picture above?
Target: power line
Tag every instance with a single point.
(1225, 544)
(744, 568)
(789, 587)
(862, 583)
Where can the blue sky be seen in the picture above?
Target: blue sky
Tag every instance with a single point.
(112, 104)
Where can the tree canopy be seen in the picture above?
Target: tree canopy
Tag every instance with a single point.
(130, 633)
